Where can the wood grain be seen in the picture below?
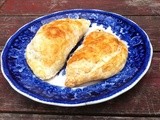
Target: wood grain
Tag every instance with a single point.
(13, 116)
(10, 24)
(125, 7)
(2, 3)
(139, 101)
(142, 102)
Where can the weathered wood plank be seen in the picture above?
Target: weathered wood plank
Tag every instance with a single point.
(141, 100)
(10, 24)
(2, 3)
(13, 116)
(151, 24)
(125, 7)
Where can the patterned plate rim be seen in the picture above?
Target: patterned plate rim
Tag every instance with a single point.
(125, 88)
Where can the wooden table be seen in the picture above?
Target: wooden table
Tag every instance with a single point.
(141, 102)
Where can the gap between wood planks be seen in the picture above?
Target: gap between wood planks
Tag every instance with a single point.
(82, 115)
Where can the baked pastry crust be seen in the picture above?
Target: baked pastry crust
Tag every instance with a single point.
(48, 50)
(100, 56)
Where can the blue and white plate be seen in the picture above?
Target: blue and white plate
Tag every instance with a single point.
(21, 78)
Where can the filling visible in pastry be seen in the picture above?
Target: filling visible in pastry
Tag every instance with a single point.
(100, 56)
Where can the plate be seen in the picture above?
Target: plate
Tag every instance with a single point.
(21, 78)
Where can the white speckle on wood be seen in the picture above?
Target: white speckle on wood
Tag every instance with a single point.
(138, 2)
(55, 3)
(152, 4)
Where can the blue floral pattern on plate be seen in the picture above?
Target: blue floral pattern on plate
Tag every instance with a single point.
(21, 78)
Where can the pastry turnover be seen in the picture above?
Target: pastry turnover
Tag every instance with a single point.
(100, 56)
(48, 50)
